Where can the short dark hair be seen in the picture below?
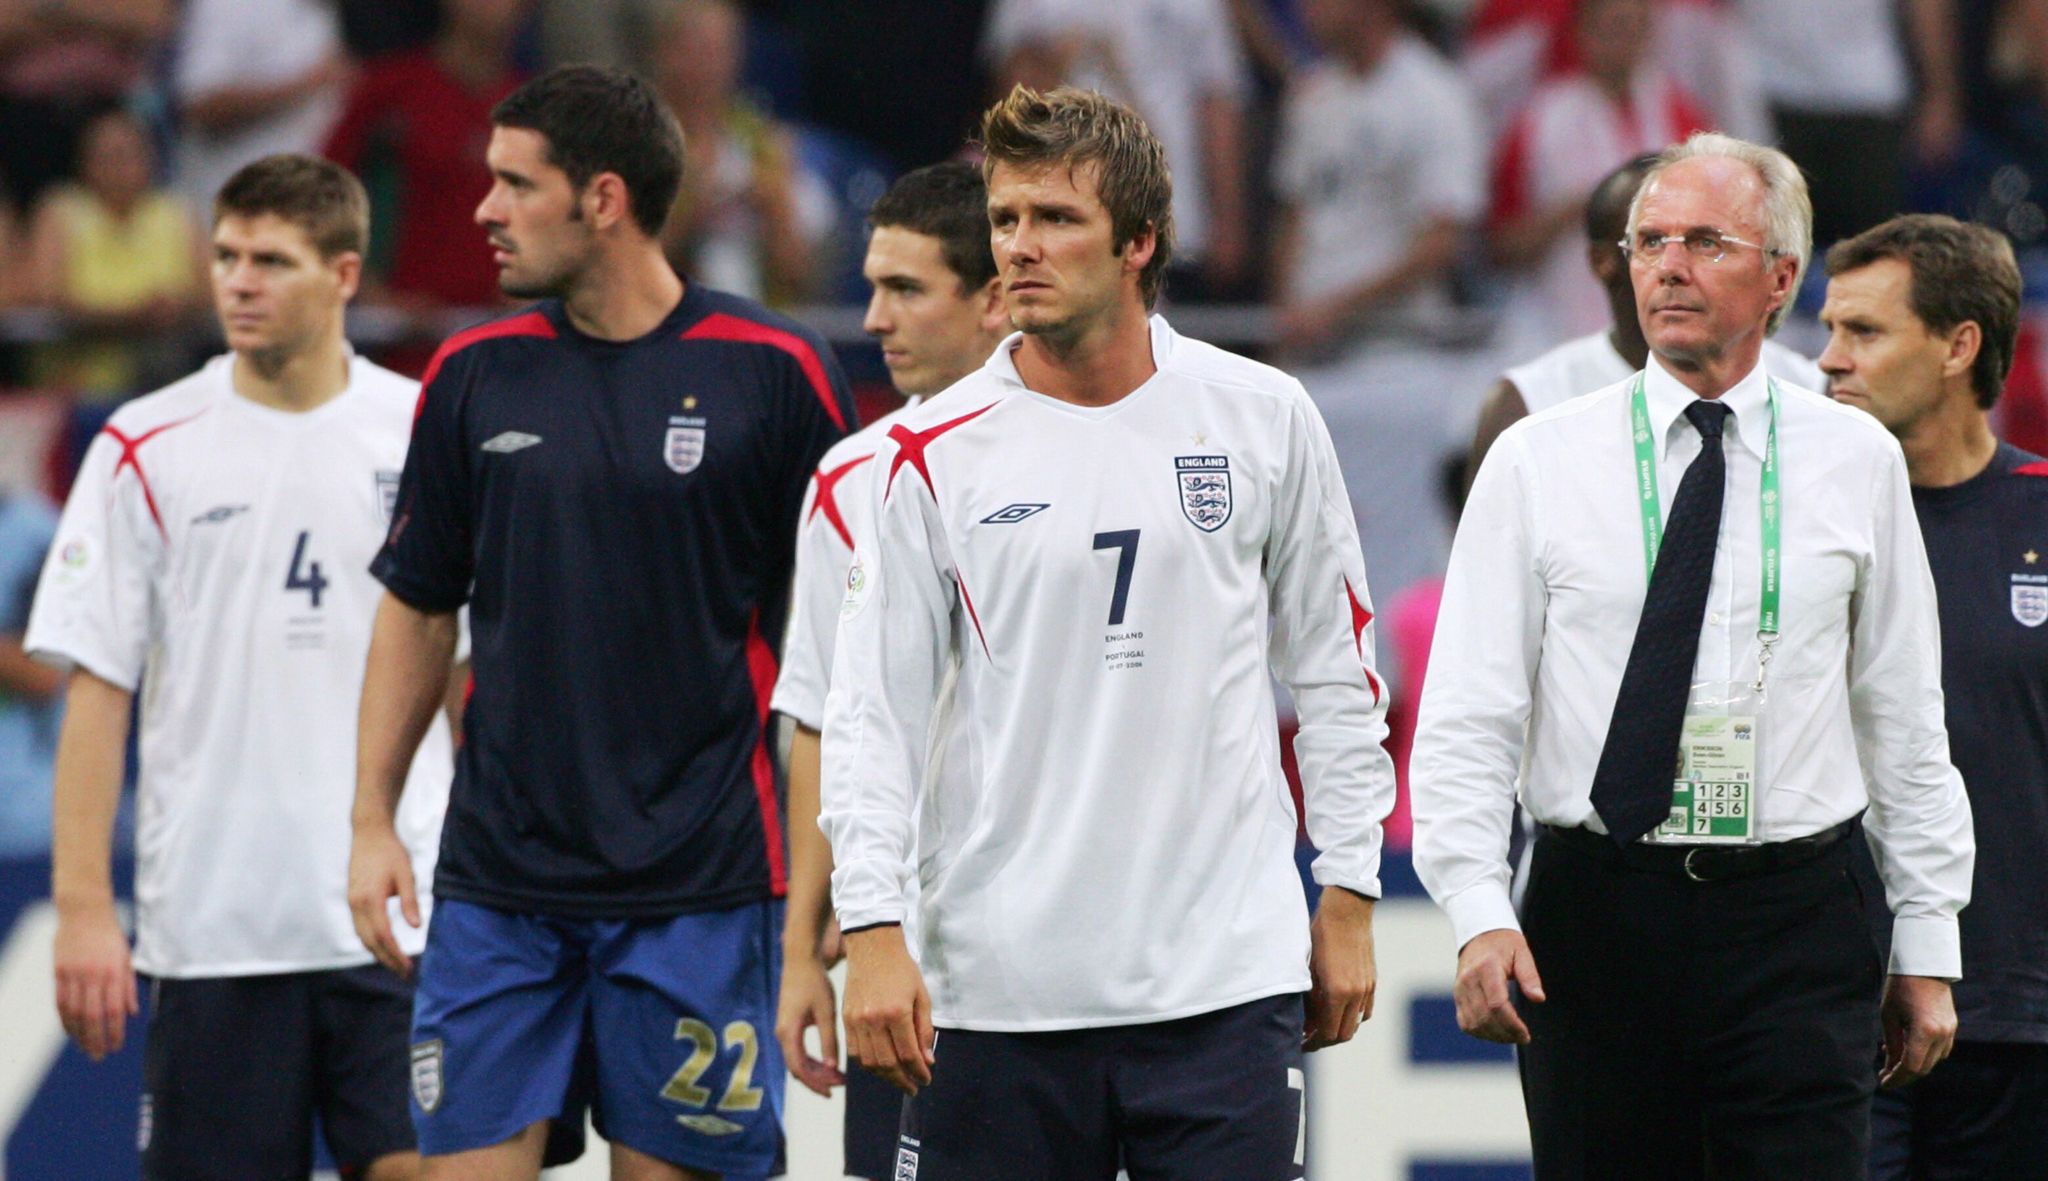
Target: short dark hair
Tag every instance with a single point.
(319, 196)
(948, 202)
(1074, 127)
(1960, 273)
(1607, 208)
(596, 119)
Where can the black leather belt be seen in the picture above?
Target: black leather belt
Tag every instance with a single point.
(1703, 863)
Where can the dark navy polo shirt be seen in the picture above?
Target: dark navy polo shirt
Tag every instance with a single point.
(620, 518)
(1987, 543)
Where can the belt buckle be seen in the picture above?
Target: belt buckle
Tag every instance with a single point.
(1691, 853)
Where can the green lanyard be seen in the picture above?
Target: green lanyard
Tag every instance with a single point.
(1652, 507)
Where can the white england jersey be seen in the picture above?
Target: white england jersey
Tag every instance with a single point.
(1113, 840)
(1589, 363)
(838, 510)
(215, 553)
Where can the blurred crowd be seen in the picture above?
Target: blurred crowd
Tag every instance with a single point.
(1400, 184)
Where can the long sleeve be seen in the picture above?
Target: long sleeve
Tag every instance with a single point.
(1475, 708)
(819, 585)
(895, 633)
(97, 603)
(1322, 650)
(1919, 818)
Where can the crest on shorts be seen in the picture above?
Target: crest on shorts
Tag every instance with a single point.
(2030, 604)
(1204, 489)
(426, 1074)
(683, 449)
(387, 493)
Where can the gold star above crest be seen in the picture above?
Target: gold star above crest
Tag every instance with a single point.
(2031, 557)
(690, 403)
(1200, 438)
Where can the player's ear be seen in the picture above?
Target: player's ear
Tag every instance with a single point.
(605, 201)
(994, 314)
(1138, 251)
(348, 273)
(1965, 341)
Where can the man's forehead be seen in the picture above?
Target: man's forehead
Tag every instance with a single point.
(1051, 179)
(261, 231)
(519, 148)
(1704, 191)
(1881, 286)
(900, 249)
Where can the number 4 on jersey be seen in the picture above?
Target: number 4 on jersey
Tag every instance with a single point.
(305, 575)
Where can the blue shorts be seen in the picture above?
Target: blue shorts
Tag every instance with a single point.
(663, 1028)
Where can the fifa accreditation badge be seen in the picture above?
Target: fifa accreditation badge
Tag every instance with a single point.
(1204, 489)
(426, 1074)
(683, 448)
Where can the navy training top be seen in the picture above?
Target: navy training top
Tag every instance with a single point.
(1987, 544)
(620, 518)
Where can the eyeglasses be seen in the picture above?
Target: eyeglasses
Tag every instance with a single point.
(1703, 246)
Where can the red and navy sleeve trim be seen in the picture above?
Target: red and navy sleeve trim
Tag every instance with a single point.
(532, 323)
(728, 327)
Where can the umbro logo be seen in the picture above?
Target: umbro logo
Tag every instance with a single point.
(215, 516)
(1012, 514)
(509, 442)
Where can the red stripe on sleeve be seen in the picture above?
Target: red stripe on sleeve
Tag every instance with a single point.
(761, 668)
(529, 324)
(724, 326)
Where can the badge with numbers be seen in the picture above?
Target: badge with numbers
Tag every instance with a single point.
(1713, 798)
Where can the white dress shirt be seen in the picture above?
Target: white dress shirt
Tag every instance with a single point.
(1540, 607)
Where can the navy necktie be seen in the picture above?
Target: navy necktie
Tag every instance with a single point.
(1632, 786)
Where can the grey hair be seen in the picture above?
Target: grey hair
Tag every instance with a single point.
(1788, 210)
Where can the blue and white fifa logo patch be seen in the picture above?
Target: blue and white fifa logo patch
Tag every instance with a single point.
(387, 494)
(1204, 489)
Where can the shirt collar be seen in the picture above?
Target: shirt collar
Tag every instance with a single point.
(1748, 400)
(1003, 362)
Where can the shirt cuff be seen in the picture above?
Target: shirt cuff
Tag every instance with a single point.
(1479, 909)
(1363, 880)
(1927, 945)
(868, 894)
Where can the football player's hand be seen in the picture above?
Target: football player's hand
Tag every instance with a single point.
(1919, 1027)
(807, 1002)
(888, 1011)
(1341, 971)
(1486, 1007)
(96, 991)
(378, 868)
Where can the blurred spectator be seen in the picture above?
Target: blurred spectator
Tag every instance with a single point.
(1841, 86)
(1179, 63)
(62, 62)
(252, 78)
(1380, 175)
(1576, 127)
(919, 94)
(738, 223)
(373, 28)
(600, 32)
(15, 280)
(422, 119)
(1512, 45)
(119, 258)
(30, 710)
